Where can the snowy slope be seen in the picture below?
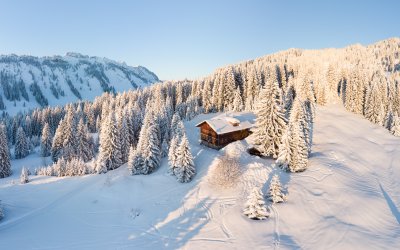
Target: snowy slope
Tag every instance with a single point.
(349, 198)
(63, 79)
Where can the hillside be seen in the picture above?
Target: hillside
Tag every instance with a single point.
(348, 198)
(28, 82)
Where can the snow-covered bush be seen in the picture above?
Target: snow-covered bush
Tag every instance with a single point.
(255, 206)
(61, 168)
(24, 177)
(275, 191)
(226, 172)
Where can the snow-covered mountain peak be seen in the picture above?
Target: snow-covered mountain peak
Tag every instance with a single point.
(28, 82)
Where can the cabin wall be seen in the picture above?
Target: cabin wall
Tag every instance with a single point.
(207, 134)
(210, 138)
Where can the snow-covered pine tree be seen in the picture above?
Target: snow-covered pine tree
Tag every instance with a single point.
(2, 106)
(24, 177)
(229, 87)
(389, 120)
(275, 190)
(285, 148)
(270, 122)
(207, 96)
(109, 157)
(124, 138)
(289, 99)
(69, 145)
(255, 206)
(135, 162)
(395, 127)
(21, 144)
(354, 93)
(374, 109)
(299, 157)
(172, 155)
(153, 154)
(237, 101)
(46, 141)
(142, 148)
(176, 126)
(164, 148)
(1, 211)
(84, 148)
(306, 118)
(185, 169)
(5, 164)
(252, 86)
(91, 120)
(294, 148)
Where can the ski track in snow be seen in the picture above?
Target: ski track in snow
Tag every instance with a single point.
(348, 198)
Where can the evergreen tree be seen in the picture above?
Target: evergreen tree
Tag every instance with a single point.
(173, 154)
(270, 122)
(24, 177)
(46, 141)
(84, 148)
(294, 151)
(299, 157)
(206, 96)
(176, 126)
(69, 146)
(275, 190)
(255, 206)
(124, 138)
(395, 127)
(2, 106)
(185, 169)
(164, 148)
(5, 164)
(135, 162)
(389, 119)
(374, 105)
(58, 140)
(288, 100)
(237, 102)
(286, 147)
(229, 88)
(153, 154)
(110, 156)
(21, 144)
(142, 150)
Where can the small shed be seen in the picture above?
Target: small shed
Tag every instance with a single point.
(221, 130)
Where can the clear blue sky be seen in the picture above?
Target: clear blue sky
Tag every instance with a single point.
(178, 39)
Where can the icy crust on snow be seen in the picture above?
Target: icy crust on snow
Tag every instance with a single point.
(348, 198)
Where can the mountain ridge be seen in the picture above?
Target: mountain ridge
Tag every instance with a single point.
(28, 82)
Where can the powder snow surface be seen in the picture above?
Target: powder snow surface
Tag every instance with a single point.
(349, 198)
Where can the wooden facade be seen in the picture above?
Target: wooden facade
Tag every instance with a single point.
(214, 140)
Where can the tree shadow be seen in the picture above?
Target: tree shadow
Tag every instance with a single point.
(177, 228)
(391, 204)
(287, 241)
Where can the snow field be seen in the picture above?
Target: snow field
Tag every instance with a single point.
(348, 198)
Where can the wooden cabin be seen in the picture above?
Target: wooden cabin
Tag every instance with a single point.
(220, 131)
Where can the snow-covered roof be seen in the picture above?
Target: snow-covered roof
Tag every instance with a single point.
(226, 123)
